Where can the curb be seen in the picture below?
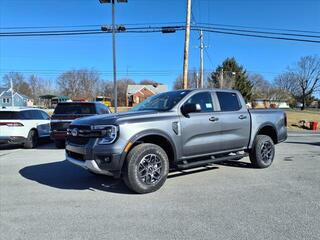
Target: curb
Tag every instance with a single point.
(302, 134)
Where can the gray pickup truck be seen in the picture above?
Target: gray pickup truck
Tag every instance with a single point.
(174, 130)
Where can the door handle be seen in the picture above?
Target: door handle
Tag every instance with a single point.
(242, 117)
(213, 119)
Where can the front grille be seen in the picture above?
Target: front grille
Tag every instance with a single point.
(76, 156)
(59, 126)
(83, 137)
(78, 140)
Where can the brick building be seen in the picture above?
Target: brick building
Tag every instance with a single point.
(138, 93)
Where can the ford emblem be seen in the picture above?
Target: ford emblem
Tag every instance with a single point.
(74, 132)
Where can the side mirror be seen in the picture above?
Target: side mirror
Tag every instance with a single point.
(190, 108)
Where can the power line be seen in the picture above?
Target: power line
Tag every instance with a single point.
(152, 29)
(162, 23)
(92, 25)
(208, 56)
(262, 28)
(265, 32)
(259, 36)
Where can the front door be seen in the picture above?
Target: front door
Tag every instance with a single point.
(200, 131)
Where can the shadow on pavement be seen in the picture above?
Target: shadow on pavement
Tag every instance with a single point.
(308, 143)
(64, 175)
(47, 146)
(179, 173)
(237, 164)
(9, 146)
(44, 143)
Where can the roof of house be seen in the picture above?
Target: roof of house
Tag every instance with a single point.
(2, 89)
(5, 92)
(132, 89)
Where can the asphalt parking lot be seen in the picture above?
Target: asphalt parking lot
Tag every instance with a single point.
(44, 197)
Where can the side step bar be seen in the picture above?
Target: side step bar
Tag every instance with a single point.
(185, 164)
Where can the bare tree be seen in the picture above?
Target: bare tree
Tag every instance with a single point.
(80, 84)
(193, 81)
(261, 88)
(149, 82)
(303, 80)
(122, 90)
(20, 84)
(122, 86)
(39, 86)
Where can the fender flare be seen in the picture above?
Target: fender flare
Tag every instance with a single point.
(145, 133)
(266, 124)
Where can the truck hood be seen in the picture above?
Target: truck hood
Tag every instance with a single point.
(114, 118)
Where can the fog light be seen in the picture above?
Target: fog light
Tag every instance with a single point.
(104, 159)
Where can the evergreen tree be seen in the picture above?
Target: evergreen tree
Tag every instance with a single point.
(233, 76)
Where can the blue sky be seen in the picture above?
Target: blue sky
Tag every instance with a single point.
(153, 56)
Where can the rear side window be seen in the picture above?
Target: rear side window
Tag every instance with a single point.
(26, 114)
(75, 108)
(228, 101)
(5, 115)
(36, 114)
(44, 115)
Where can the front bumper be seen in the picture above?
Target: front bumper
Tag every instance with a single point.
(58, 135)
(102, 159)
(89, 165)
(12, 140)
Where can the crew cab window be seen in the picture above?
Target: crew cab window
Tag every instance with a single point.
(228, 101)
(204, 100)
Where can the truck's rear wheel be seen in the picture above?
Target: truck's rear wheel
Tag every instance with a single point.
(262, 153)
(146, 168)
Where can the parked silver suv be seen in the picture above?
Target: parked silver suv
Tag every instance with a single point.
(174, 130)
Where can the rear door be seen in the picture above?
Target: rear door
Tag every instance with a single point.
(234, 121)
(199, 133)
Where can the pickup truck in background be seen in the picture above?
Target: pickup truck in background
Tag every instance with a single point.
(175, 130)
(66, 112)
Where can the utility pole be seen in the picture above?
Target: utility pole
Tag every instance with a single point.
(115, 88)
(221, 78)
(186, 46)
(201, 59)
(12, 97)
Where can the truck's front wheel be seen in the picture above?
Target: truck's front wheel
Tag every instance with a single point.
(146, 168)
(262, 153)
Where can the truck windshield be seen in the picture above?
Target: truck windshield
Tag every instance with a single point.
(162, 101)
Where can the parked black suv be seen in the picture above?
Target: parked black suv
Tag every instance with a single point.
(66, 112)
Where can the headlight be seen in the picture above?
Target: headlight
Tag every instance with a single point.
(108, 133)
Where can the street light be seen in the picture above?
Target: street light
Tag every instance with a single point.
(114, 50)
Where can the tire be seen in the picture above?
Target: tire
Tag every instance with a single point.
(146, 168)
(32, 140)
(59, 143)
(263, 151)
